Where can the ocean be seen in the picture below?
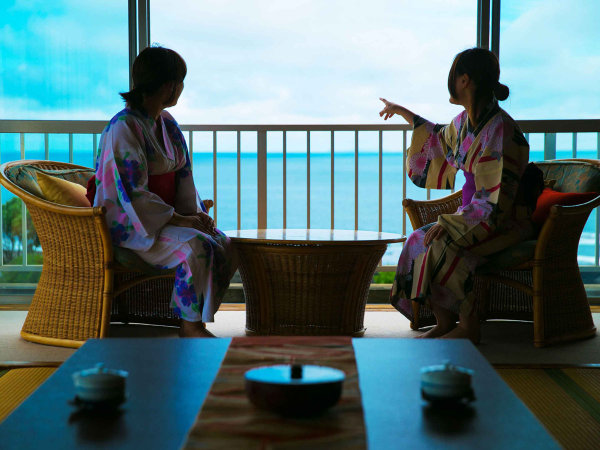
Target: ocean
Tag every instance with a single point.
(320, 190)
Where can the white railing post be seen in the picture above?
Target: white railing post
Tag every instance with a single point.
(404, 180)
(284, 168)
(308, 179)
(261, 177)
(597, 209)
(549, 146)
(23, 211)
(215, 196)
(94, 150)
(380, 180)
(239, 178)
(356, 179)
(332, 179)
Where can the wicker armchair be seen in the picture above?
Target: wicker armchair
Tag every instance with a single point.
(545, 286)
(84, 283)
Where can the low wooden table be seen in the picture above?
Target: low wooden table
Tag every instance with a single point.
(308, 281)
(170, 378)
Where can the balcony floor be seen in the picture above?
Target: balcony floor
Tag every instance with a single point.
(503, 342)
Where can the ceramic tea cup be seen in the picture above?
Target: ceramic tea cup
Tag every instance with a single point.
(100, 385)
(446, 382)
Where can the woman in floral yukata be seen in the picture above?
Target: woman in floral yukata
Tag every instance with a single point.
(166, 225)
(439, 259)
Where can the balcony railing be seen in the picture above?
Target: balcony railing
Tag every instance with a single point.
(256, 148)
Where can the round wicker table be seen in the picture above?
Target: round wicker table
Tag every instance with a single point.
(308, 281)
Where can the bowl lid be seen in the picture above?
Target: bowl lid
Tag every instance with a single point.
(446, 373)
(100, 374)
(295, 374)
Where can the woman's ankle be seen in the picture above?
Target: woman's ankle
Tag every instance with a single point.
(193, 329)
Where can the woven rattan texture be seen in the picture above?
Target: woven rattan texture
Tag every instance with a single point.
(564, 306)
(67, 303)
(507, 302)
(145, 302)
(306, 290)
(422, 213)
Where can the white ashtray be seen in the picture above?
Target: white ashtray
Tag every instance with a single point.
(100, 385)
(446, 383)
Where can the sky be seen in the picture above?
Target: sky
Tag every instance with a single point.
(296, 61)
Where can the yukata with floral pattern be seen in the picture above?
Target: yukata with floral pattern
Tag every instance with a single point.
(138, 219)
(493, 157)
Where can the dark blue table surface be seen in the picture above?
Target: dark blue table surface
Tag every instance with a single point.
(169, 379)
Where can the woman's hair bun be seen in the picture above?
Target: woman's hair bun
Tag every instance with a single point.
(501, 91)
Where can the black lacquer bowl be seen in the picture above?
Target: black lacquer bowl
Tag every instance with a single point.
(294, 390)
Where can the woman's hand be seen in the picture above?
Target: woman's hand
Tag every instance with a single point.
(392, 108)
(434, 233)
(389, 109)
(200, 221)
(207, 223)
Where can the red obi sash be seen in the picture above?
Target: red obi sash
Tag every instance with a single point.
(161, 185)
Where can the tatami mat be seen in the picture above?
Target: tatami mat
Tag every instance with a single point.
(576, 424)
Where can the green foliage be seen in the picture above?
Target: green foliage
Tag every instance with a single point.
(12, 222)
(29, 276)
(11, 228)
(23, 276)
(384, 277)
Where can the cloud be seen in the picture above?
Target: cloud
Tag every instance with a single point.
(25, 108)
(551, 61)
(298, 61)
(334, 59)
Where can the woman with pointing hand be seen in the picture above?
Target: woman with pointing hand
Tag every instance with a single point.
(438, 261)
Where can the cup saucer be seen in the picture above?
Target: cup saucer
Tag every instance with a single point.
(103, 405)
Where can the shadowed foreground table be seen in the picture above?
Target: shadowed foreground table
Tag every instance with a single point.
(308, 281)
(170, 378)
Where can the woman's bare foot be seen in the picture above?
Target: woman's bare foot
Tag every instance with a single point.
(437, 331)
(446, 322)
(463, 333)
(193, 329)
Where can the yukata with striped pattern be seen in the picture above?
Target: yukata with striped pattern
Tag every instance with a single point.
(132, 147)
(493, 156)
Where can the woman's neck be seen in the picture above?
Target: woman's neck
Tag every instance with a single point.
(153, 107)
(474, 110)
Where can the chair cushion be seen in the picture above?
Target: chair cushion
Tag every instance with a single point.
(550, 197)
(132, 261)
(509, 257)
(62, 191)
(25, 177)
(571, 176)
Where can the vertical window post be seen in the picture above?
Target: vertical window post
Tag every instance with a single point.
(139, 30)
(496, 27)
(483, 23)
(133, 47)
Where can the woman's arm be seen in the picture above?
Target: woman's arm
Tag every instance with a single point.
(429, 159)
